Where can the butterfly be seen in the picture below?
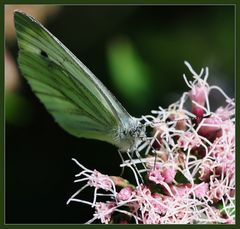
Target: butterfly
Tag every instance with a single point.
(72, 94)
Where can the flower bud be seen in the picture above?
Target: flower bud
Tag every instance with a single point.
(198, 96)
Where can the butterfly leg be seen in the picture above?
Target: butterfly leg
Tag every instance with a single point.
(120, 154)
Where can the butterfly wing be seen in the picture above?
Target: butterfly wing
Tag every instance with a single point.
(78, 101)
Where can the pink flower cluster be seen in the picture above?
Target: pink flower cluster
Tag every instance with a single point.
(160, 174)
(186, 171)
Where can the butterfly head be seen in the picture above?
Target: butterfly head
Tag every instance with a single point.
(131, 136)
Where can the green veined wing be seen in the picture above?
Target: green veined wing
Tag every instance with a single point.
(78, 101)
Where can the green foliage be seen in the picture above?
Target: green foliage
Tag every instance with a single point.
(130, 74)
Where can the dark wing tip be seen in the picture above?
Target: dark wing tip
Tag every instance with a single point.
(25, 21)
(22, 16)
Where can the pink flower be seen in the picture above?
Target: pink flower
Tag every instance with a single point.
(188, 140)
(200, 190)
(155, 176)
(168, 174)
(216, 190)
(217, 150)
(158, 204)
(162, 173)
(186, 146)
(151, 218)
(142, 191)
(224, 113)
(179, 189)
(211, 128)
(198, 96)
(125, 193)
(180, 118)
(99, 180)
(104, 211)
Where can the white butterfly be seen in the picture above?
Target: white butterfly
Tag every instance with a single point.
(78, 101)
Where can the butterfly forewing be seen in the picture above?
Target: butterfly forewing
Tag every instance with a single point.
(79, 102)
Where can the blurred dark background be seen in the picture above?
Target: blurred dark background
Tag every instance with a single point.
(138, 53)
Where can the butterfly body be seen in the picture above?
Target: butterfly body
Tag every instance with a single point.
(130, 136)
(72, 94)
